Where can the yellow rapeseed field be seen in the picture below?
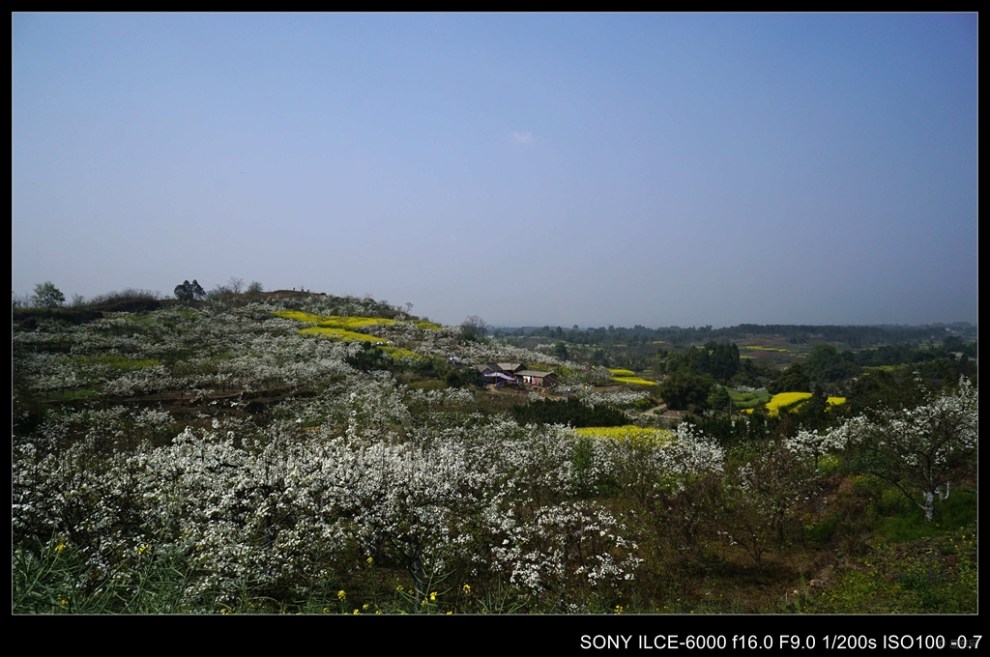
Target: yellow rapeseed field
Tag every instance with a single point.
(634, 379)
(791, 401)
(785, 400)
(335, 321)
(626, 432)
(398, 353)
(335, 333)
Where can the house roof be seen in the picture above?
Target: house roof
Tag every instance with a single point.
(510, 367)
(535, 373)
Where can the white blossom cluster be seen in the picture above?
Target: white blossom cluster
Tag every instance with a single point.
(618, 398)
(438, 399)
(559, 546)
(479, 353)
(274, 512)
(345, 468)
(919, 449)
(811, 446)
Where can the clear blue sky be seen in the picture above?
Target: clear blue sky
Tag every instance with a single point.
(591, 169)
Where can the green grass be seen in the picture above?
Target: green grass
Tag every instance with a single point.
(748, 399)
(909, 523)
(757, 347)
(47, 582)
(927, 576)
(882, 368)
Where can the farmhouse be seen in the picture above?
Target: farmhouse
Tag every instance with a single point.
(516, 373)
(537, 378)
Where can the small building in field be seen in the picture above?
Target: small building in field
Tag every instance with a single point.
(537, 378)
(502, 374)
(495, 374)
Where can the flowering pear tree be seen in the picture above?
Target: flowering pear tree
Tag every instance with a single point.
(920, 450)
(764, 494)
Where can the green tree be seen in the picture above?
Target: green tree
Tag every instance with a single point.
(719, 400)
(813, 414)
(46, 295)
(473, 329)
(826, 365)
(186, 291)
(793, 379)
(683, 390)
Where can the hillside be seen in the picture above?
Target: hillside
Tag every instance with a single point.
(303, 452)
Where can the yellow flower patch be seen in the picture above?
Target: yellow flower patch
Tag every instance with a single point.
(634, 379)
(618, 371)
(791, 401)
(785, 400)
(339, 334)
(627, 432)
(335, 321)
(398, 353)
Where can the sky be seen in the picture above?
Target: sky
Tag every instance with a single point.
(528, 169)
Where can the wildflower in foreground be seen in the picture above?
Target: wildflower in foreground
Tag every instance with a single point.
(341, 595)
(467, 589)
(59, 548)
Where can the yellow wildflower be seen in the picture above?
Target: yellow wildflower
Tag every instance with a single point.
(59, 547)
(341, 595)
(433, 596)
(467, 589)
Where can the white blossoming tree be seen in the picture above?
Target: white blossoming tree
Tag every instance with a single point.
(919, 450)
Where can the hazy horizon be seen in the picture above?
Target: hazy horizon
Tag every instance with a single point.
(657, 169)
